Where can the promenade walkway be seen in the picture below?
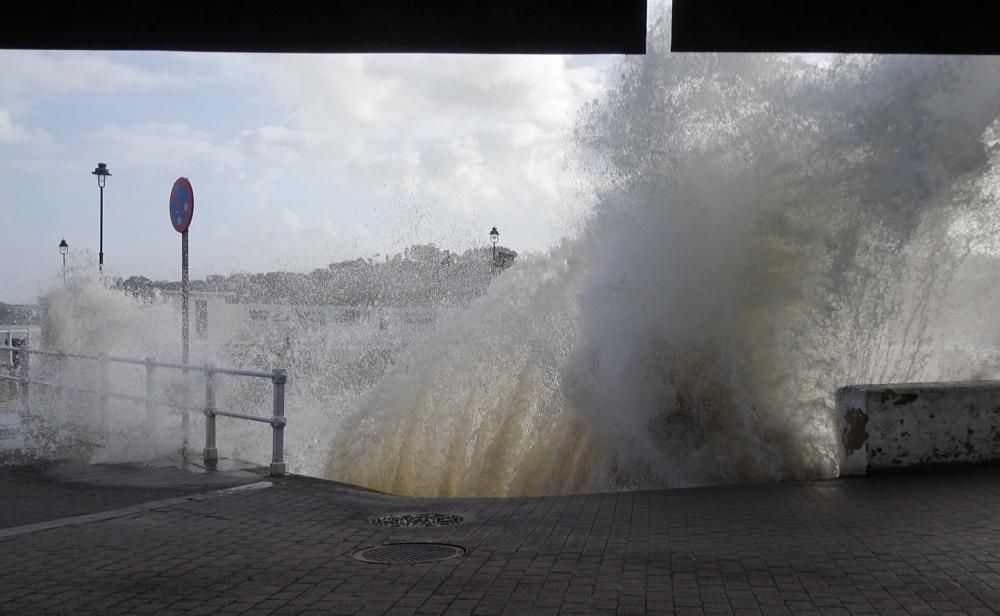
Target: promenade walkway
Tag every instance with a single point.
(77, 539)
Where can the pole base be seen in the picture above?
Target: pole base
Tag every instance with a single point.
(278, 469)
(211, 456)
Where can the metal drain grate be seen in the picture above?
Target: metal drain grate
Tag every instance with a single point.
(405, 553)
(413, 520)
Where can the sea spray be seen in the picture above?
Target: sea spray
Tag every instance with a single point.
(787, 230)
(88, 317)
(480, 406)
(767, 228)
(333, 353)
(770, 229)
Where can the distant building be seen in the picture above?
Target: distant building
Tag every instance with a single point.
(19, 314)
(505, 257)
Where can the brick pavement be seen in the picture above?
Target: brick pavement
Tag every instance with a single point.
(42, 492)
(903, 544)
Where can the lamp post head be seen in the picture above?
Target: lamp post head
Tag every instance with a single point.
(494, 235)
(102, 173)
(63, 247)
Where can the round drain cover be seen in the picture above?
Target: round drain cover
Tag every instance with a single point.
(401, 553)
(413, 520)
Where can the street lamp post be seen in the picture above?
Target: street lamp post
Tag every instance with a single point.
(63, 249)
(102, 174)
(494, 237)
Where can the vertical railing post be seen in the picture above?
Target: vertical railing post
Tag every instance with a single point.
(25, 358)
(150, 390)
(13, 388)
(185, 414)
(103, 389)
(278, 377)
(211, 451)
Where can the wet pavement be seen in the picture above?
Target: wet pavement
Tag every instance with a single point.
(162, 539)
(46, 491)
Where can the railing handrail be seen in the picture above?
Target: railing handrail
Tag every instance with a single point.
(9, 332)
(277, 376)
(148, 361)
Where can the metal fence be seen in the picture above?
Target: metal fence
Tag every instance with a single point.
(104, 393)
(11, 336)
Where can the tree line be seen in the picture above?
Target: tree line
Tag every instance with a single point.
(422, 275)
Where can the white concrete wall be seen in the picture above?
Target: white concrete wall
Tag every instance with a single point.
(897, 426)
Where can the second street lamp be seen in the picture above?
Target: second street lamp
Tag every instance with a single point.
(63, 249)
(494, 237)
(102, 174)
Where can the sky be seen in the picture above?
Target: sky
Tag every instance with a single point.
(296, 160)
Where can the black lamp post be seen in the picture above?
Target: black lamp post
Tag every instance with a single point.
(63, 249)
(494, 237)
(102, 174)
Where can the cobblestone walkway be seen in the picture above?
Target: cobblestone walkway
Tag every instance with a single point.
(903, 544)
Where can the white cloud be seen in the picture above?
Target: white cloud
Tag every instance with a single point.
(290, 219)
(40, 73)
(325, 158)
(483, 134)
(170, 146)
(276, 144)
(286, 242)
(10, 132)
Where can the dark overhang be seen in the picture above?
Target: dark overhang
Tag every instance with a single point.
(846, 26)
(330, 26)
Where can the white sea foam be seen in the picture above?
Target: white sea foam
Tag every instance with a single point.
(767, 230)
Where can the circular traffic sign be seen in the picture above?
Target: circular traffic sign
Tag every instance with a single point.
(181, 205)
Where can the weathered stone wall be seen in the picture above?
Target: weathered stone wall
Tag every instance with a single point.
(897, 426)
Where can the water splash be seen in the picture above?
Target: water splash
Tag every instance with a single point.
(768, 228)
(479, 407)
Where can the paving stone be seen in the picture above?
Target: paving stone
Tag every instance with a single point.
(896, 544)
(43, 492)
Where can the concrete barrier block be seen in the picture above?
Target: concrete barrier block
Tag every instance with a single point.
(918, 424)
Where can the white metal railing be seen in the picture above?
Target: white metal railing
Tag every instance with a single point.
(9, 334)
(277, 376)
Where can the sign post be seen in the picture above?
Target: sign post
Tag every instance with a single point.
(185, 296)
(181, 212)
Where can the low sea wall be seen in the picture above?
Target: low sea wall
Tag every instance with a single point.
(889, 427)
